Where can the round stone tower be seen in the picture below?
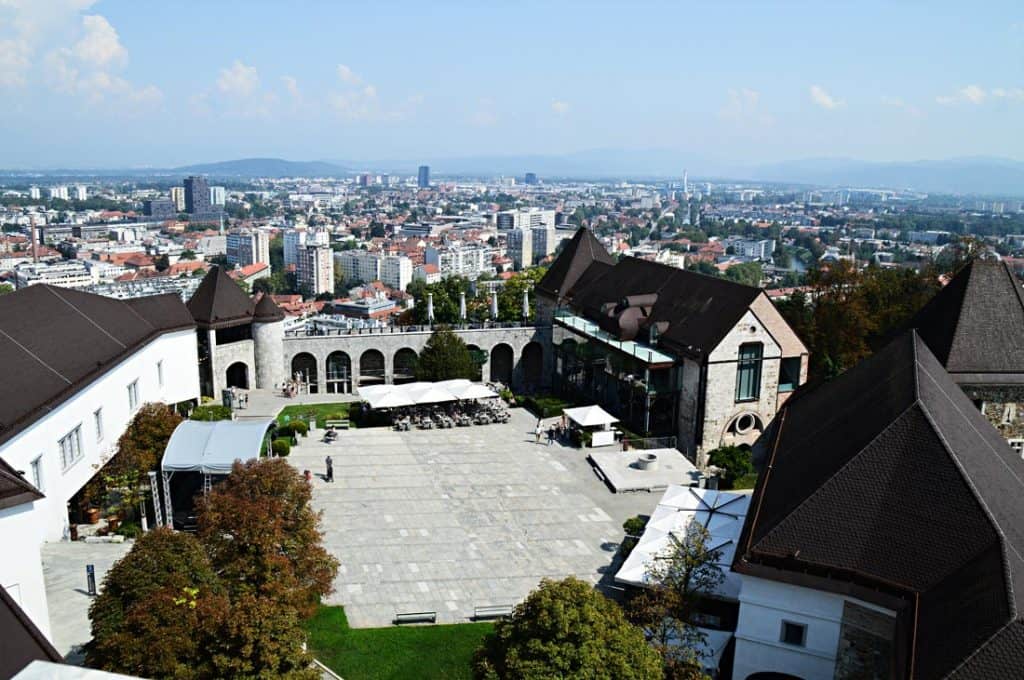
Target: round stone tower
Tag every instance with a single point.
(268, 340)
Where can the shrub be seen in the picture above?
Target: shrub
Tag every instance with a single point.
(735, 463)
(634, 527)
(299, 427)
(129, 530)
(281, 447)
(211, 412)
(544, 406)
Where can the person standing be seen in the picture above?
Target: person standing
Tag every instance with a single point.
(330, 469)
(537, 433)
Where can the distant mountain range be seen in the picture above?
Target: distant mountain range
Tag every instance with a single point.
(981, 175)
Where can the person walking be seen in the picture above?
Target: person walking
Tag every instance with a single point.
(537, 433)
(330, 469)
(551, 433)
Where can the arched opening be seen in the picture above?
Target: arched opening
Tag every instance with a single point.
(238, 375)
(371, 367)
(502, 358)
(304, 373)
(339, 373)
(533, 366)
(405, 366)
(479, 358)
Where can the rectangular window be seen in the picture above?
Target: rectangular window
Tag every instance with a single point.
(794, 634)
(1017, 445)
(748, 372)
(789, 374)
(97, 419)
(71, 448)
(37, 472)
(160, 373)
(133, 395)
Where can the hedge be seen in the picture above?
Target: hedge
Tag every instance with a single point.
(281, 447)
(211, 412)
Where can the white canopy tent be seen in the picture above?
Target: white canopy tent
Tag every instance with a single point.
(207, 448)
(720, 512)
(394, 396)
(590, 416)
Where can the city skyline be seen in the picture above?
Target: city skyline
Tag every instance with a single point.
(736, 83)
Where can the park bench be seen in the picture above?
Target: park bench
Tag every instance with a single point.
(416, 617)
(336, 424)
(498, 611)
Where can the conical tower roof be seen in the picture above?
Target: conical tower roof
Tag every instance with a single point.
(267, 310)
(219, 302)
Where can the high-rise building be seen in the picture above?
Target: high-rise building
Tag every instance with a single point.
(218, 196)
(178, 197)
(526, 218)
(314, 272)
(394, 271)
(365, 179)
(34, 193)
(246, 247)
(519, 247)
(60, 192)
(197, 197)
(159, 209)
(423, 179)
(294, 240)
(81, 193)
(530, 178)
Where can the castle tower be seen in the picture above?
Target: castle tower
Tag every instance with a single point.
(268, 338)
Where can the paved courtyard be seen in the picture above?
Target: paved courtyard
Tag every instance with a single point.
(449, 520)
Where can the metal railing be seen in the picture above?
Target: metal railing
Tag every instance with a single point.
(315, 331)
(646, 443)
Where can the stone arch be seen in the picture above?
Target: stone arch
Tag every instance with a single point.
(304, 370)
(502, 363)
(237, 375)
(339, 373)
(371, 367)
(533, 365)
(478, 354)
(404, 367)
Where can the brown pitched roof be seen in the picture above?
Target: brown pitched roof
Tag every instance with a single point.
(579, 253)
(888, 480)
(21, 643)
(56, 341)
(219, 301)
(267, 311)
(975, 325)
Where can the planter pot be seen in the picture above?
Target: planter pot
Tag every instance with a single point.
(113, 523)
(92, 515)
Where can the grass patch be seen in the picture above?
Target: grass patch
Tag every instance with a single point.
(382, 653)
(321, 412)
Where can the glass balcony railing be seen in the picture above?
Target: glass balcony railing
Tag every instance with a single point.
(644, 353)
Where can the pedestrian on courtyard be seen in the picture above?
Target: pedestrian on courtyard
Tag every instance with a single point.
(537, 433)
(551, 434)
(330, 469)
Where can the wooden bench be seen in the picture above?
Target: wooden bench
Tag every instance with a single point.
(336, 424)
(498, 611)
(416, 617)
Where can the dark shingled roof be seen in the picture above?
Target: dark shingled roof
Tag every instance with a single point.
(699, 310)
(219, 302)
(888, 478)
(21, 643)
(267, 310)
(975, 325)
(55, 341)
(14, 489)
(579, 253)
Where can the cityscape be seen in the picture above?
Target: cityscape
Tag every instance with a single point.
(322, 368)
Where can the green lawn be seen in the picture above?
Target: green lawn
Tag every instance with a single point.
(322, 411)
(398, 652)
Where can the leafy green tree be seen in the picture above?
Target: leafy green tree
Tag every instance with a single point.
(747, 273)
(188, 254)
(566, 629)
(445, 357)
(263, 537)
(679, 580)
(510, 295)
(6, 288)
(735, 461)
(158, 610)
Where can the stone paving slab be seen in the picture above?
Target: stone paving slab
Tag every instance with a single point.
(449, 520)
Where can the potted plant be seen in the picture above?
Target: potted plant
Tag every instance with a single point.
(92, 515)
(113, 522)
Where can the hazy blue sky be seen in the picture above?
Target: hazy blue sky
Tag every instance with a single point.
(122, 82)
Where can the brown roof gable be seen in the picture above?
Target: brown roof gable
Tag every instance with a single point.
(219, 301)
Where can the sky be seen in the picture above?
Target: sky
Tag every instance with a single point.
(122, 83)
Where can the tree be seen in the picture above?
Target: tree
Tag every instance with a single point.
(187, 254)
(735, 461)
(510, 295)
(445, 357)
(6, 288)
(158, 610)
(679, 581)
(747, 273)
(162, 263)
(263, 537)
(566, 629)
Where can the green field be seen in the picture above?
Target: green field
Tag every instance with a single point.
(322, 412)
(420, 652)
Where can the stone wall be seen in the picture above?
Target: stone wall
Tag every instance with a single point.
(227, 354)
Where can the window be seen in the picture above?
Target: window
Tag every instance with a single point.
(37, 472)
(1017, 445)
(160, 373)
(794, 633)
(789, 374)
(133, 395)
(97, 419)
(71, 448)
(748, 372)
